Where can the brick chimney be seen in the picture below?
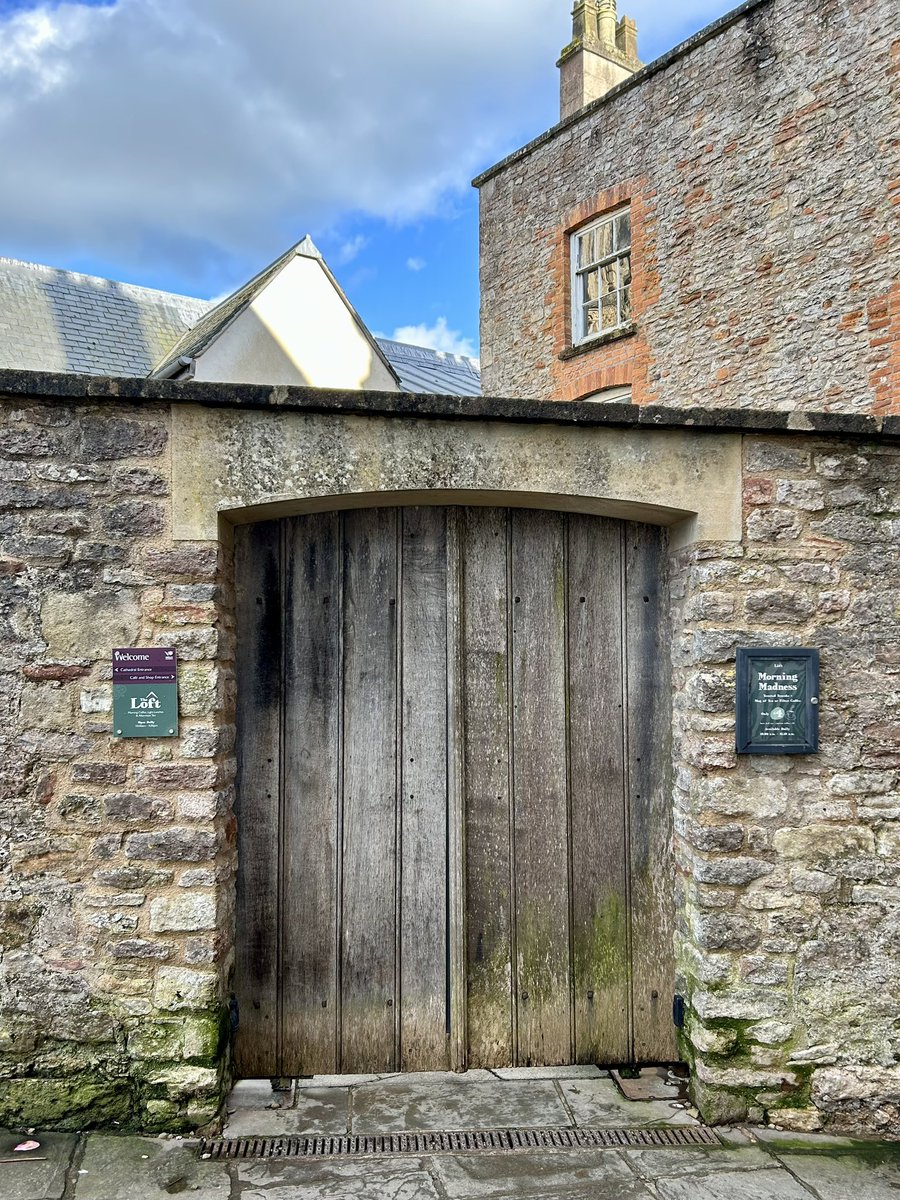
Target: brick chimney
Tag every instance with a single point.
(602, 53)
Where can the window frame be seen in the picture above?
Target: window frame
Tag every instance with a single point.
(578, 307)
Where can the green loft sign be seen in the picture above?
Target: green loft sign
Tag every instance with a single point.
(145, 692)
(778, 701)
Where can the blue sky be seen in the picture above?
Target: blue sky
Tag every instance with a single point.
(183, 144)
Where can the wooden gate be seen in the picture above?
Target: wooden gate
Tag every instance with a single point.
(454, 828)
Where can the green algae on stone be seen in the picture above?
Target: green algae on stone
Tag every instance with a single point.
(66, 1104)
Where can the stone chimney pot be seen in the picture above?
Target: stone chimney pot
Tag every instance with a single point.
(601, 54)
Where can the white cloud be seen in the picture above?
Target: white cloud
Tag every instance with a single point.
(436, 337)
(190, 132)
(416, 264)
(351, 249)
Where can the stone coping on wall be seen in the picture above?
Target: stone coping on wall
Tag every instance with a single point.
(39, 385)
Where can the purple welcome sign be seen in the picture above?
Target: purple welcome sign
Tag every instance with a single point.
(145, 665)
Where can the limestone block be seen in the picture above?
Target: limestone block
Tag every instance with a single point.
(817, 842)
(864, 783)
(813, 883)
(772, 1033)
(867, 1083)
(183, 913)
(172, 845)
(203, 807)
(96, 700)
(186, 1080)
(140, 948)
(725, 931)
(126, 806)
(46, 707)
(807, 494)
(199, 877)
(178, 988)
(737, 1004)
(199, 742)
(115, 437)
(741, 1077)
(819, 1055)
(732, 871)
(198, 691)
(87, 625)
(712, 1041)
(801, 1120)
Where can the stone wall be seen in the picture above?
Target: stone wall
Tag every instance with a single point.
(118, 859)
(116, 854)
(762, 173)
(790, 867)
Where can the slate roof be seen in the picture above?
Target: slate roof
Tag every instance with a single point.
(54, 320)
(432, 371)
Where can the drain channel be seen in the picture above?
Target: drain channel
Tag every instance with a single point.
(485, 1141)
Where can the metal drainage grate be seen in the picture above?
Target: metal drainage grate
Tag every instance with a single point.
(489, 1141)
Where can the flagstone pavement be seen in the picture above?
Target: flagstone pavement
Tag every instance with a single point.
(749, 1164)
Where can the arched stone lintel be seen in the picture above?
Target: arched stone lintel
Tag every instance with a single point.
(237, 466)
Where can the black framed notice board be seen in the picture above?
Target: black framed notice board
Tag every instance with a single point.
(778, 701)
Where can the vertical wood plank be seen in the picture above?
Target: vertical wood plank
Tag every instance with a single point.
(423, 792)
(370, 787)
(259, 700)
(310, 795)
(456, 815)
(540, 788)
(486, 720)
(597, 782)
(651, 864)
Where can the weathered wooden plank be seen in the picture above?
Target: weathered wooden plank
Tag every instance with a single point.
(370, 787)
(423, 792)
(456, 813)
(310, 1010)
(597, 782)
(540, 788)
(651, 866)
(259, 697)
(486, 753)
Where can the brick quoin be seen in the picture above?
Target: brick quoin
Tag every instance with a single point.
(624, 361)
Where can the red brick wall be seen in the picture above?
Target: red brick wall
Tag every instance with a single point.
(761, 171)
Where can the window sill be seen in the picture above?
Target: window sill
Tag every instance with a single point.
(603, 339)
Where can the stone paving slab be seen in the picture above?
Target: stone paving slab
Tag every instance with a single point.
(846, 1177)
(593, 1173)
(599, 1103)
(316, 1111)
(410, 1103)
(402, 1179)
(696, 1160)
(257, 1094)
(321, 1081)
(580, 1072)
(734, 1185)
(133, 1168)
(28, 1178)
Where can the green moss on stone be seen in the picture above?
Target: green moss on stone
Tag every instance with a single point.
(719, 1105)
(67, 1104)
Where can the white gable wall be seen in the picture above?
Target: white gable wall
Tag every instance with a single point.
(297, 331)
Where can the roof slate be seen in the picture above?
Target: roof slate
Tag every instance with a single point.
(54, 320)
